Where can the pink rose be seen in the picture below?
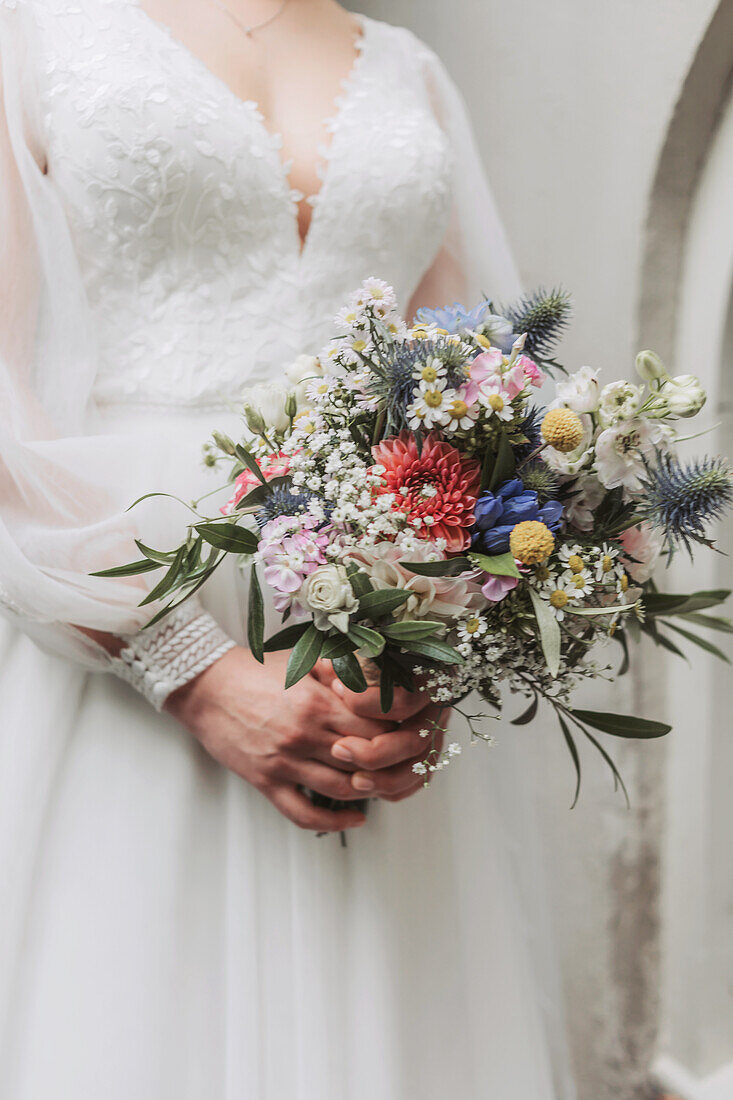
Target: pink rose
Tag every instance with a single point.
(643, 545)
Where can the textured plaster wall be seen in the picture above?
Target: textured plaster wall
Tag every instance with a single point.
(572, 100)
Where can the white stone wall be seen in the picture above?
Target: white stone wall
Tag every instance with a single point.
(572, 101)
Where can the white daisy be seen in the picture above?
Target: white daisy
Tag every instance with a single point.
(608, 567)
(461, 415)
(559, 596)
(472, 627)
(430, 406)
(494, 400)
(430, 370)
(581, 582)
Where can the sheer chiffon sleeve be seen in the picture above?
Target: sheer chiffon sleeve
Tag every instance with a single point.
(475, 259)
(60, 517)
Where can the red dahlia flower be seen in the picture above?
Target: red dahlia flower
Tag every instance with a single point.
(436, 490)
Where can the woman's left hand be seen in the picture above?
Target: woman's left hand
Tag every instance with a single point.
(385, 763)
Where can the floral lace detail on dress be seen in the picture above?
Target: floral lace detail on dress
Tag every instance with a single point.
(182, 213)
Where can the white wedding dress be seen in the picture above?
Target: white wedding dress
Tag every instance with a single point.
(164, 933)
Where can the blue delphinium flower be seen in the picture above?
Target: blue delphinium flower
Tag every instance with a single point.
(498, 513)
(455, 318)
(682, 500)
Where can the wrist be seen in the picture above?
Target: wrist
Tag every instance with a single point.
(161, 660)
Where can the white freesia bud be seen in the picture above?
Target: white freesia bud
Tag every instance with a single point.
(327, 592)
(649, 366)
(517, 348)
(684, 395)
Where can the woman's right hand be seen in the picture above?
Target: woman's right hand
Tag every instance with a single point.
(278, 740)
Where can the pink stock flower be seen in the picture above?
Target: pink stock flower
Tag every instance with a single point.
(277, 465)
(291, 549)
(532, 372)
(496, 588)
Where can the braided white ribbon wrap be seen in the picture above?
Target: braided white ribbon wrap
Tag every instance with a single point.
(158, 661)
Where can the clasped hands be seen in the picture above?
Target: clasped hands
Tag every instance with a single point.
(317, 736)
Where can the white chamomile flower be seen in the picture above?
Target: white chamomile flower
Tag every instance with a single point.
(544, 576)
(430, 370)
(608, 567)
(559, 595)
(496, 403)
(573, 558)
(461, 415)
(430, 405)
(472, 627)
(581, 583)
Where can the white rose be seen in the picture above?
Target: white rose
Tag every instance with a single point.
(268, 401)
(580, 392)
(619, 401)
(327, 592)
(683, 395)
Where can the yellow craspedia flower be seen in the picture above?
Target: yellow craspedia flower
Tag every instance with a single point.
(531, 542)
(562, 429)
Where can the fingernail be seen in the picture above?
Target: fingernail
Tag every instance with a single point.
(363, 783)
(342, 753)
(338, 687)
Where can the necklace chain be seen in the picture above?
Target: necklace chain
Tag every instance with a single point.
(248, 28)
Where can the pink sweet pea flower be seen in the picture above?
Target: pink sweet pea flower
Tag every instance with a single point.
(485, 365)
(277, 465)
(514, 381)
(496, 588)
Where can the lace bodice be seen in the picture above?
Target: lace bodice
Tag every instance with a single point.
(183, 218)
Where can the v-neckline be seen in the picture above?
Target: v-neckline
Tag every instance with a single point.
(274, 138)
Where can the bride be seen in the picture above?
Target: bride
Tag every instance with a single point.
(189, 189)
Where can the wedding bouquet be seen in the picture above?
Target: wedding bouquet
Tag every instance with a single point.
(421, 521)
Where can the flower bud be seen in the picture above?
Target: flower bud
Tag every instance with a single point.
(223, 442)
(649, 366)
(684, 395)
(291, 405)
(254, 418)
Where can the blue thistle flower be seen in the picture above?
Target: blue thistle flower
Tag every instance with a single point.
(530, 427)
(543, 316)
(681, 500)
(282, 501)
(393, 382)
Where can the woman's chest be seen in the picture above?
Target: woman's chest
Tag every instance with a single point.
(158, 162)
